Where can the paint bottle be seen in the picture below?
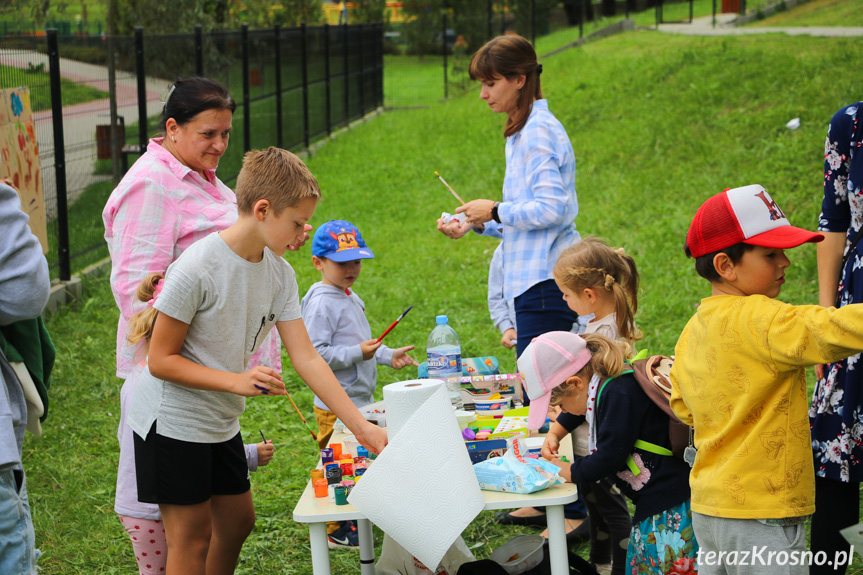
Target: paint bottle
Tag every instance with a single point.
(321, 488)
(326, 455)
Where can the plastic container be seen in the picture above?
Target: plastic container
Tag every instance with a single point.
(350, 444)
(443, 352)
(519, 554)
(464, 418)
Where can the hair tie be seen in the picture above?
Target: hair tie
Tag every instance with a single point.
(157, 289)
(620, 251)
(168, 97)
(538, 69)
(609, 281)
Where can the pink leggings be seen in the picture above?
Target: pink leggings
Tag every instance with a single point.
(148, 541)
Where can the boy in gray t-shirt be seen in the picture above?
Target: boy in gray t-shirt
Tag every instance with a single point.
(219, 299)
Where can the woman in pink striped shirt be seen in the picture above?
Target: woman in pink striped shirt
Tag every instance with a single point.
(169, 199)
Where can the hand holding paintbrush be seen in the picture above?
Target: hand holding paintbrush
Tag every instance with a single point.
(476, 213)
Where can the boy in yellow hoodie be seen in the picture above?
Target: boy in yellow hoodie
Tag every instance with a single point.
(739, 379)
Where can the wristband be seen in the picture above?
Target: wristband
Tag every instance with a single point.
(494, 214)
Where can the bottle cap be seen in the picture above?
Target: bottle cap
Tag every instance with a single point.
(441, 319)
(362, 452)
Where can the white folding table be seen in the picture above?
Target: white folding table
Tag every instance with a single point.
(316, 511)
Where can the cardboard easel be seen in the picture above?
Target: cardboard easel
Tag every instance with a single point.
(19, 157)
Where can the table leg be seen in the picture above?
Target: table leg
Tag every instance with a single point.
(367, 546)
(320, 550)
(557, 549)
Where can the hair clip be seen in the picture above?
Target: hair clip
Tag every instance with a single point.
(157, 289)
(168, 97)
(538, 69)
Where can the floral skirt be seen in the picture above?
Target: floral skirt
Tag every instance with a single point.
(664, 544)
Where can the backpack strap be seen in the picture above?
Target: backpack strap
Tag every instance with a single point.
(639, 443)
(598, 393)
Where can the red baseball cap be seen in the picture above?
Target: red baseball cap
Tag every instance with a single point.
(748, 215)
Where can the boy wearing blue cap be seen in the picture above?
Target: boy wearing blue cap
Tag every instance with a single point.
(336, 321)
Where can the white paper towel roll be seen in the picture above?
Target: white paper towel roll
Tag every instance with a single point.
(421, 490)
(404, 398)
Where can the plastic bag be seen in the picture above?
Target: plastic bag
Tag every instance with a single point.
(395, 560)
(513, 473)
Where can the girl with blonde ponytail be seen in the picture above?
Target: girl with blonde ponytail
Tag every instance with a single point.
(603, 281)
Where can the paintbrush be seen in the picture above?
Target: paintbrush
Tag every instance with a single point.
(449, 187)
(404, 313)
(315, 437)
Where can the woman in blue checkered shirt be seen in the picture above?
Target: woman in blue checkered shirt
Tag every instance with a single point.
(536, 217)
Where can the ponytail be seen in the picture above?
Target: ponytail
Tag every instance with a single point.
(592, 264)
(140, 325)
(607, 357)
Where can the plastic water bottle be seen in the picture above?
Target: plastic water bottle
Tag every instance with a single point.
(443, 352)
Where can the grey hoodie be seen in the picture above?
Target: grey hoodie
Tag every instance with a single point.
(337, 324)
(24, 290)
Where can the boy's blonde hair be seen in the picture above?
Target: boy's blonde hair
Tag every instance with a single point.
(592, 264)
(275, 175)
(141, 324)
(607, 359)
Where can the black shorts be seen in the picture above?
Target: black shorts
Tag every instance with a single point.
(185, 473)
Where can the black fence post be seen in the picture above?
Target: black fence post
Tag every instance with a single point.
(328, 108)
(277, 46)
(247, 113)
(199, 50)
(59, 156)
(443, 47)
(503, 18)
(142, 88)
(490, 17)
(362, 33)
(714, 13)
(742, 7)
(626, 8)
(305, 67)
(582, 5)
(347, 77)
(380, 64)
(690, 11)
(533, 22)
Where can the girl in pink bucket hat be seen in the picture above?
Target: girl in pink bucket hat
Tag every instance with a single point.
(588, 377)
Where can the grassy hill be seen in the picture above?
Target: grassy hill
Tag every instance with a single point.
(817, 13)
(658, 123)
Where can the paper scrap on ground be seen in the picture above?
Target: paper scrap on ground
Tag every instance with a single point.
(421, 490)
(854, 536)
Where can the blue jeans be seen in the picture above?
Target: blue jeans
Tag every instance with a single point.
(18, 553)
(539, 310)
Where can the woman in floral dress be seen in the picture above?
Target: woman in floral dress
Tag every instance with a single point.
(836, 414)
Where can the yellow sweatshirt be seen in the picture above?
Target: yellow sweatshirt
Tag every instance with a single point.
(739, 380)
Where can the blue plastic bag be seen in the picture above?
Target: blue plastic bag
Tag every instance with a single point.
(513, 473)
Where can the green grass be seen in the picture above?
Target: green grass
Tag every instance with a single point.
(40, 92)
(656, 128)
(817, 13)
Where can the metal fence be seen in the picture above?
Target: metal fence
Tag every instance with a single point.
(292, 87)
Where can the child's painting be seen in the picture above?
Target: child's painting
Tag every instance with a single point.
(19, 157)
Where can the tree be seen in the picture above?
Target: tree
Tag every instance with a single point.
(266, 13)
(369, 11)
(172, 17)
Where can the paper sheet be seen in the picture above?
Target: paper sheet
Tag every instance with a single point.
(421, 490)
